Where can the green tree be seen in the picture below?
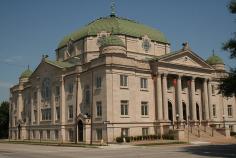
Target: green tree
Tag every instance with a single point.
(4, 119)
(228, 85)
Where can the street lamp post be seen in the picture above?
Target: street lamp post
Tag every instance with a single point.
(177, 118)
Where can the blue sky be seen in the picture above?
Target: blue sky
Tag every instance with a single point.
(30, 28)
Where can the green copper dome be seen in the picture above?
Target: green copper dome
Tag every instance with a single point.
(26, 74)
(118, 26)
(214, 59)
(112, 41)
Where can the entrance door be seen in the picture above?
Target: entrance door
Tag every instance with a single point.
(170, 111)
(184, 111)
(80, 130)
(198, 111)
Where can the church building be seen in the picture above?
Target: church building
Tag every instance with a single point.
(116, 77)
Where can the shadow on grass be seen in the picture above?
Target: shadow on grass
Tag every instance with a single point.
(226, 151)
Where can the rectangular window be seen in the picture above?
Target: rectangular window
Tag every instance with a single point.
(124, 107)
(99, 109)
(99, 133)
(46, 114)
(144, 83)
(71, 88)
(124, 132)
(123, 81)
(230, 110)
(144, 108)
(144, 131)
(57, 91)
(57, 113)
(70, 112)
(98, 82)
(87, 97)
(214, 110)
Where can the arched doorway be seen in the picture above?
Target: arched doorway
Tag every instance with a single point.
(170, 111)
(197, 111)
(184, 111)
(80, 130)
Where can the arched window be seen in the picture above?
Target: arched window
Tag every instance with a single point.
(46, 91)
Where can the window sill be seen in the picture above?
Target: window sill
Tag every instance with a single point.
(123, 87)
(124, 116)
(184, 92)
(169, 91)
(144, 116)
(145, 90)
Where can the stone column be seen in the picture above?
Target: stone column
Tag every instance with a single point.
(165, 101)
(206, 99)
(19, 105)
(62, 109)
(53, 107)
(159, 98)
(193, 103)
(179, 98)
(209, 99)
(38, 105)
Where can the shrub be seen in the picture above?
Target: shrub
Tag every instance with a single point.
(119, 139)
(127, 139)
(168, 136)
(232, 133)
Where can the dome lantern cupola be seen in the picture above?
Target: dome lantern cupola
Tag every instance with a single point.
(216, 62)
(112, 44)
(25, 75)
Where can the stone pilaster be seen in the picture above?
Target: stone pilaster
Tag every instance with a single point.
(159, 98)
(62, 109)
(193, 102)
(179, 98)
(38, 105)
(165, 101)
(53, 106)
(206, 106)
(209, 99)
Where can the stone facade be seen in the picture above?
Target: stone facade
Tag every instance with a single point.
(91, 93)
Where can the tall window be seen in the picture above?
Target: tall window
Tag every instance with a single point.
(56, 134)
(70, 88)
(124, 107)
(71, 134)
(98, 82)
(46, 114)
(124, 132)
(230, 110)
(214, 110)
(143, 83)
(99, 109)
(46, 91)
(123, 80)
(144, 131)
(57, 113)
(99, 133)
(57, 91)
(70, 111)
(87, 97)
(144, 108)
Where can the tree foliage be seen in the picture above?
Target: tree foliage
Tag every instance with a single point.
(228, 85)
(4, 119)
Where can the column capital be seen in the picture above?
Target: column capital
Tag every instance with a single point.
(193, 78)
(180, 75)
(165, 74)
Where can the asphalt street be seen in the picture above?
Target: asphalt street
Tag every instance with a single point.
(117, 151)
